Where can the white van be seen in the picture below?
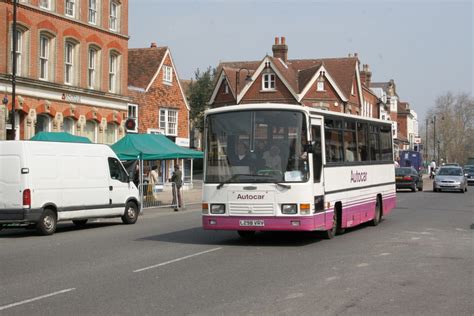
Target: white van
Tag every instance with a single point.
(43, 183)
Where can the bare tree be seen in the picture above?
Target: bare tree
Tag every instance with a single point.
(454, 115)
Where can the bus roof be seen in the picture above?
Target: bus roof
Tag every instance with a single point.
(281, 106)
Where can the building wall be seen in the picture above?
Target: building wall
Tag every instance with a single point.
(223, 98)
(35, 95)
(280, 95)
(327, 99)
(161, 95)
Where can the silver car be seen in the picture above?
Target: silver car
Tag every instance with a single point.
(450, 179)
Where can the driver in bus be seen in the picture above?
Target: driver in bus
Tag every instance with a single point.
(241, 157)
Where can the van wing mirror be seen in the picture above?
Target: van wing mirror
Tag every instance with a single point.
(309, 147)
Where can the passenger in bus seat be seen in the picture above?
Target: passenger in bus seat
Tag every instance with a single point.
(272, 158)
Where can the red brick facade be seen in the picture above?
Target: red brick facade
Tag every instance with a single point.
(52, 96)
(152, 93)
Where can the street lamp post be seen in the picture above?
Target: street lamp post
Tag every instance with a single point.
(434, 138)
(237, 82)
(14, 61)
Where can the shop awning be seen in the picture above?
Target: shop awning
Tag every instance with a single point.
(60, 137)
(151, 147)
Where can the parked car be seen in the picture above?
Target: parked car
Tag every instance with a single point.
(43, 183)
(450, 179)
(469, 172)
(408, 178)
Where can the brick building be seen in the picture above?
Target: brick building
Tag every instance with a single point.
(72, 66)
(158, 98)
(330, 83)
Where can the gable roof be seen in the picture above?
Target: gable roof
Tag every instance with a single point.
(296, 73)
(143, 64)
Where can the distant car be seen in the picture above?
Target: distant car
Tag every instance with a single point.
(469, 172)
(450, 179)
(451, 164)
(408, 178)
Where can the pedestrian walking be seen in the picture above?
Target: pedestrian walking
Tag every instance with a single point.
(177, 180)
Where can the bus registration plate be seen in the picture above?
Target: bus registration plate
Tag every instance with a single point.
(252, 222)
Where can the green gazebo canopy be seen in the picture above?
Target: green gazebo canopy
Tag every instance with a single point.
(60, 137)
(151, 147)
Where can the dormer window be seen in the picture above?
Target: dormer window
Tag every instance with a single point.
(268, 82)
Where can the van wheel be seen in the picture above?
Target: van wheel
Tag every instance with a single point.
(47, 223)
(131, 213)
(79, 222)
(378, 213)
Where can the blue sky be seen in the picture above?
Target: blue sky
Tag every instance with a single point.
(425, 46)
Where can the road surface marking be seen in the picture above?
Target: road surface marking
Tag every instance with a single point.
(35, 299)
(361, 265)
(178, 259)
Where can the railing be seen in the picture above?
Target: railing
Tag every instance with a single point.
(161, 195)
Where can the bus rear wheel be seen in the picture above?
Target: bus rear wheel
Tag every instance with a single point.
(246, 234)
(378, 213)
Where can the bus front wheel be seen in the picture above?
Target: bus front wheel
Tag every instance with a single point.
(246, 234)
(329, 234)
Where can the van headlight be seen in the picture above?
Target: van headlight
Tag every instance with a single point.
(289, 209)
(217, 208)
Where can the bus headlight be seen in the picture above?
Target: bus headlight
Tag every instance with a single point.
(217, 208)
(289, 209)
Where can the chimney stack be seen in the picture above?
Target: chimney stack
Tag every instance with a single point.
(153, 45)
(280, 50)
(365, 75)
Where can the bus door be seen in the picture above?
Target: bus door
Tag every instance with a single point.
(317, 161)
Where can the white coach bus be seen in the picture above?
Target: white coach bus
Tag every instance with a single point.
(293, 168)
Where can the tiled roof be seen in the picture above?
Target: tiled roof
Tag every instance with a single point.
(143, 64)
(298, 72)
(185, 83)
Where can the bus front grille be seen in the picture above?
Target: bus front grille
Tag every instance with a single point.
(253, 209)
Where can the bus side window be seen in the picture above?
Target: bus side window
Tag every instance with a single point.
(317, 154)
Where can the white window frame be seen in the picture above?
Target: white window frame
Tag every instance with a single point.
(226, 87)
(73, 129)
(114, 16)
(19, 49)
(114, 133)
(320, 85)
(269, 82)
(69, 49)
(167, 74)
(166, 123)
(92, 67)
(44, 48)
(45, 4)
(95, 130)
(132, 112)
(70, 8)
(92, 11)
(113, 69)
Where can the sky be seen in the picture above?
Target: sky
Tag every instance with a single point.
(425, 46)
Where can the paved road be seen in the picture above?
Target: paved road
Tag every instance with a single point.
(419, 260)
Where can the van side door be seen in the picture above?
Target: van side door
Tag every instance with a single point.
(119, 186)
